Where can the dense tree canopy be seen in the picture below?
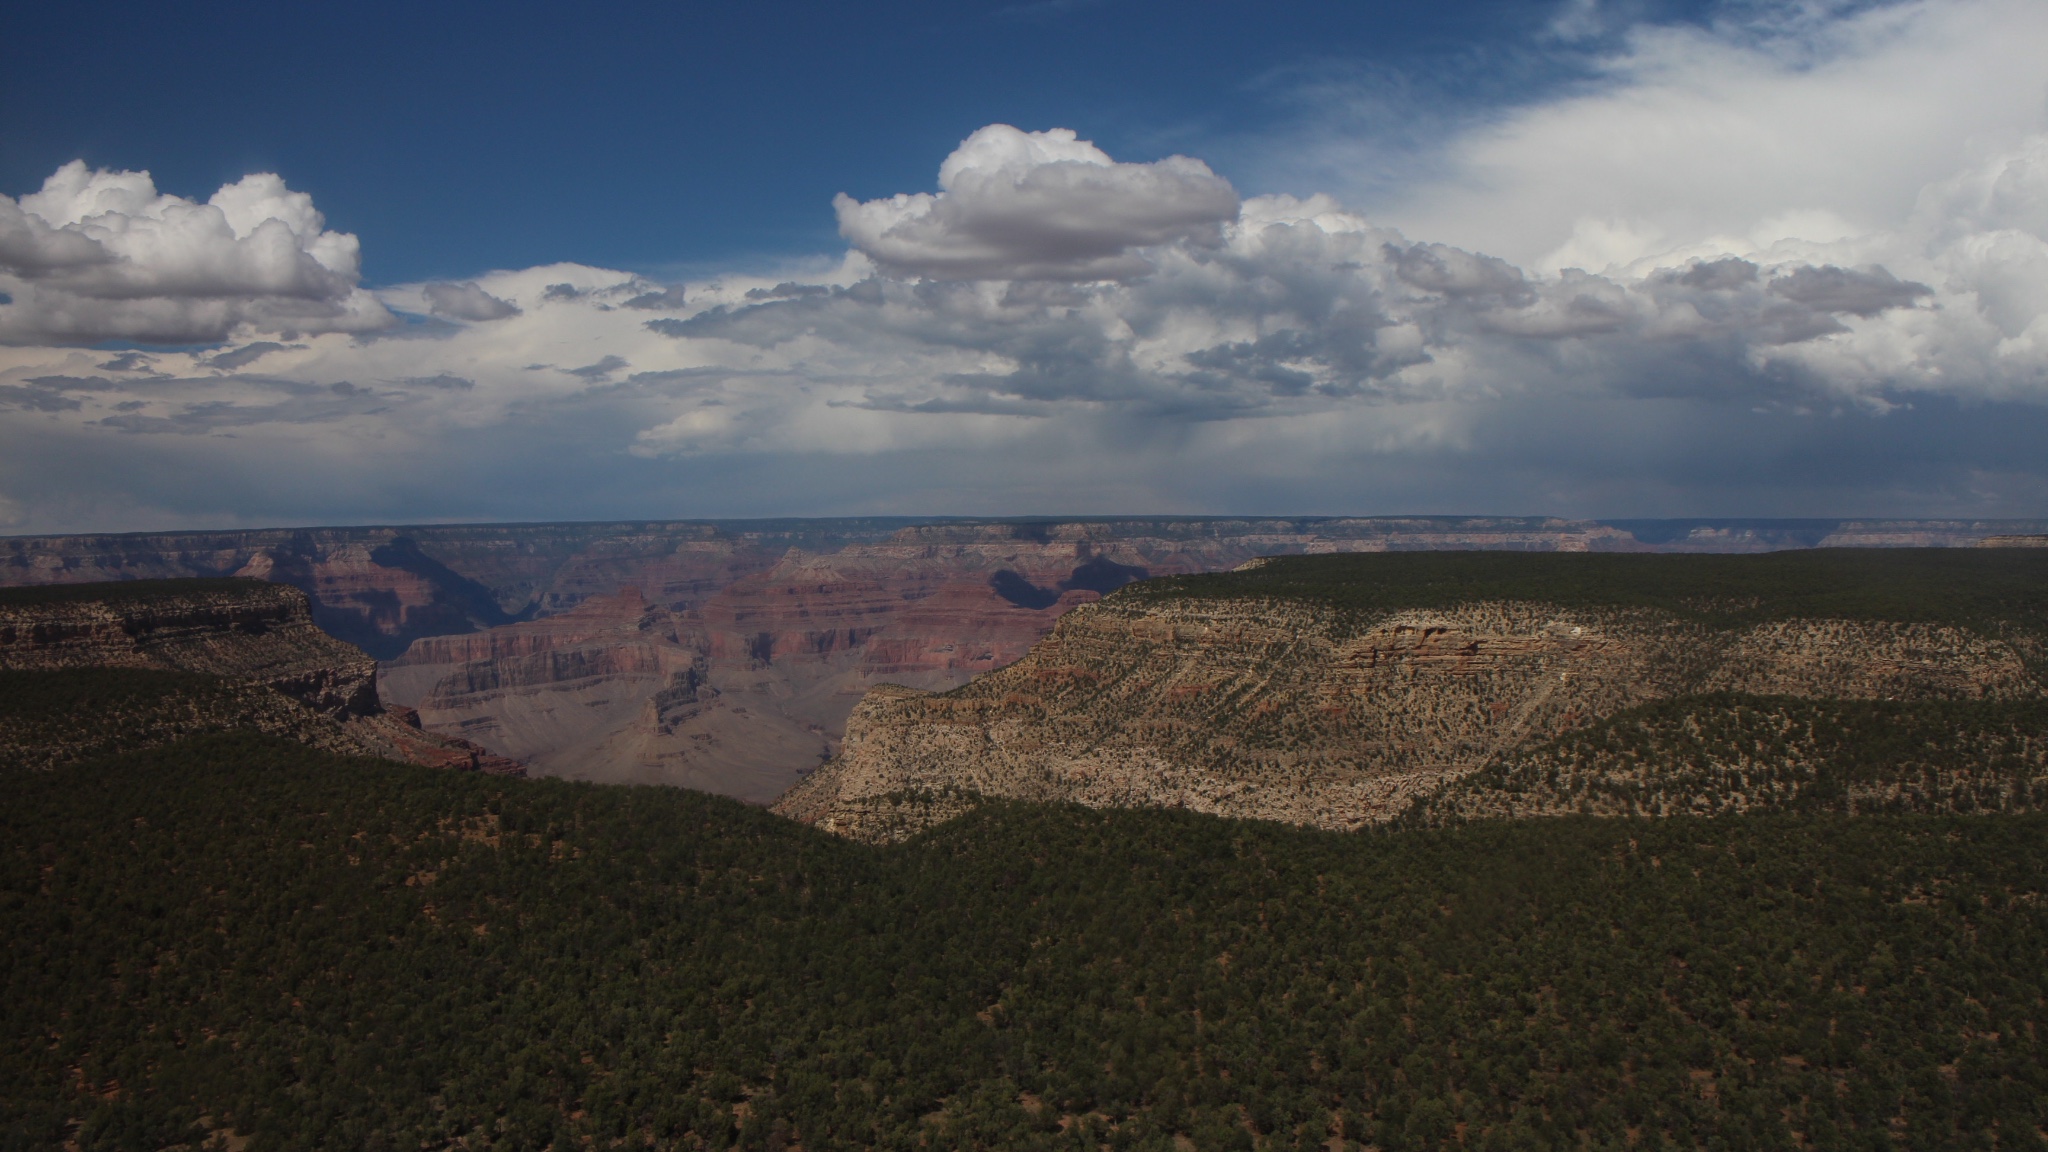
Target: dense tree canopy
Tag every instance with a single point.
(1977, 587)
(238, 934)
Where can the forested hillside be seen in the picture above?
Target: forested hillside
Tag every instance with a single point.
(246, 937)
(53, 717)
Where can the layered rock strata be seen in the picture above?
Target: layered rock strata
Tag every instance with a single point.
(595, 693)
(245, 630)
(1281, 710)
(383, 587)
(254, 657)
(785, 623)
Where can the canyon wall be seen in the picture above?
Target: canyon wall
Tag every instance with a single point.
(250, 655)
(1291, 710)
(246, 630)
(728, 655)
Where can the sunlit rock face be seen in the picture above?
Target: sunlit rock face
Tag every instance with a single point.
(1281, 710)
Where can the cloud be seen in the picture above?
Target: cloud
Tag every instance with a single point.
(256, 401)
(128, 362)
(244, 356)
(35, 399)
(1850, 292)
(1047, 205)
(1300, 306)
(99, 254)
(466, 301)
(442, 380)
(600, 370)
(669, 299)
(1807, 122)
(787, 290)
(1053, 331)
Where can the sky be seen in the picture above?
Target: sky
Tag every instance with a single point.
(267, 265)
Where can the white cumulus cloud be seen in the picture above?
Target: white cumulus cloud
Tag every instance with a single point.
(1017, 205)
(100, 254)
(1736, 135)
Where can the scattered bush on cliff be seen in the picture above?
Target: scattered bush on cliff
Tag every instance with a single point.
(1725, 752)
(321, 953)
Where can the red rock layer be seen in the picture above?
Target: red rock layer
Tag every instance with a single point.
(961, 631)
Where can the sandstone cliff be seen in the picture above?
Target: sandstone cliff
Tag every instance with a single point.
(1295, 710)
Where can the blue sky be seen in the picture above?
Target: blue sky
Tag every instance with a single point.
(466, 136)
(382, 263)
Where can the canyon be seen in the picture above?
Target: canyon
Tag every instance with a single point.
(729, 656)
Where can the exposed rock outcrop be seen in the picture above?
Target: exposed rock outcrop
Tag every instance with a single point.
(250, 657)
(1282, 710)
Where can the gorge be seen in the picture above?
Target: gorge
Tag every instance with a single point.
(728, 655)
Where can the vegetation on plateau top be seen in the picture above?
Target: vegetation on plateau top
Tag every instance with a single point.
(1935, 585)
(126, 592)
